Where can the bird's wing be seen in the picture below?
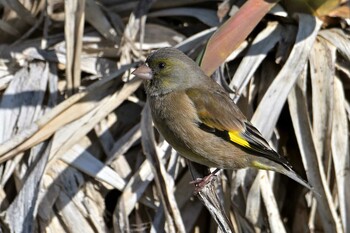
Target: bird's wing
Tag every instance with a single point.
(218, 114)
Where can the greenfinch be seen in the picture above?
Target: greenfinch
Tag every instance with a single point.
(198, 119)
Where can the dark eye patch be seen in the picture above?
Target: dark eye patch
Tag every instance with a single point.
(161, 65)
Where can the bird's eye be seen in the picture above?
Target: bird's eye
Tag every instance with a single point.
(161, 65)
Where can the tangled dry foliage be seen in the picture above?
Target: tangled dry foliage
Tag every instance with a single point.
(78, 150)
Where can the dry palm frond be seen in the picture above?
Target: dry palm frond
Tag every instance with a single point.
(79, 153)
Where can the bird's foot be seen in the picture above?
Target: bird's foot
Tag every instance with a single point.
(200, 183)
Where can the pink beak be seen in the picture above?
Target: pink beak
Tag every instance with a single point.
(143, 72)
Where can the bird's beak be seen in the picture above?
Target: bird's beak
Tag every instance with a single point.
(143, 72)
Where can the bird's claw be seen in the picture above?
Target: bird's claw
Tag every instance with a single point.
(200, 183)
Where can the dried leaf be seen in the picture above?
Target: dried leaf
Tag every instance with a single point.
(314, 168)
(340, 152)
(266, 115)
(81, 159)
(257, 52)
(20, 214)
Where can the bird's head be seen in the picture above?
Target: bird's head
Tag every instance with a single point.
(167, 70)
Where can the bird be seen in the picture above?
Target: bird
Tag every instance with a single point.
(197, 117)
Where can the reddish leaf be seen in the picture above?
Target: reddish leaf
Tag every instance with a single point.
(233, 32)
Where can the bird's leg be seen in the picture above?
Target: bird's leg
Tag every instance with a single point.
(199, 183)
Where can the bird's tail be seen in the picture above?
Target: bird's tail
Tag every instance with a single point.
(283, 169)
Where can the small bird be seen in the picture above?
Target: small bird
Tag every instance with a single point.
(198, 119)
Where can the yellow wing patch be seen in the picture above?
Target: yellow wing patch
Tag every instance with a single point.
(236, 138)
